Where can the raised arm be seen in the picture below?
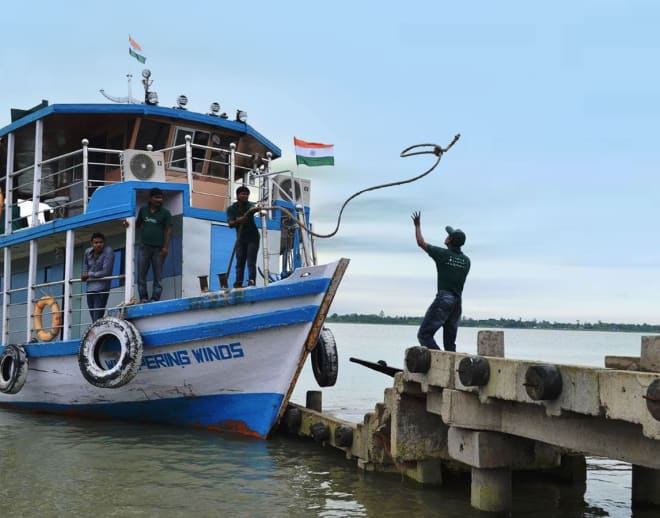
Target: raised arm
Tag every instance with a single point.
(417, 221)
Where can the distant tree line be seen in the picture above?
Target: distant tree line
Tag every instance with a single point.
(508, 323)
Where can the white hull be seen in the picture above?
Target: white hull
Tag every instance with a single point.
(237, 379)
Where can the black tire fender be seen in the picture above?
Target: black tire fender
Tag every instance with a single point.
(108, 332)
(325, 362)
(13, 369)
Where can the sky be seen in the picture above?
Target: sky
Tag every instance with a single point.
(554, 179)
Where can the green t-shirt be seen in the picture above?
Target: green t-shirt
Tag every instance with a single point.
(248, 230)
(153, 225)
(452, 267)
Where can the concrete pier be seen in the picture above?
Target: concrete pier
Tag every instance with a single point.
(490, 416)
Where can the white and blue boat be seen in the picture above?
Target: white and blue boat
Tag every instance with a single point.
(203, 356)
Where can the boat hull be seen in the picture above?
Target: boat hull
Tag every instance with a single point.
(223, 361)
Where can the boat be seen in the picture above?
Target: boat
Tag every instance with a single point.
(206, 355)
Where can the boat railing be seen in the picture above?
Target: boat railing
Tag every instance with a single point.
(66, 317)
(211, 180)
(61, 186)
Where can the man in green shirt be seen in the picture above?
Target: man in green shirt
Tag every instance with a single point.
(240, 215)
(155, 222)
(452, 266)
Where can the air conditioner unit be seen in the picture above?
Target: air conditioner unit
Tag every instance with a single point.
(301, 189)
(144, 166)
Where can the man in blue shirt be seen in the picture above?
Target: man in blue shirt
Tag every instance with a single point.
(98, 262)
(452, 266)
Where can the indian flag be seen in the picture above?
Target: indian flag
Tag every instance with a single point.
(313, 153)
(135, 46)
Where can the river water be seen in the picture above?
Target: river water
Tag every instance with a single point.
(57, 466)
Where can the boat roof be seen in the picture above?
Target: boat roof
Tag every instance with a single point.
(142, 109)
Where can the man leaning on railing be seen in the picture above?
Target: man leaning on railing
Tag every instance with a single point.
(98, 263)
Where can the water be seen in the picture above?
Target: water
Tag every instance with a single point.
(55, 466)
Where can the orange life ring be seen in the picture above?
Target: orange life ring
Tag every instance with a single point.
(42, 334)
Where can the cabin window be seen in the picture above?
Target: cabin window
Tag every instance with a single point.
(219, 159)
(154, 133)
(199, 139)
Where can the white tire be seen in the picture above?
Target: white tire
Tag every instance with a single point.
(110, 353)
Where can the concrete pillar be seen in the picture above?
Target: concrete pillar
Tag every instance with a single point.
(415, 434)
(491, 489)
(573, 470)
(492, 456)
(427, 472)
(645, 487)
(650, 357)
(490, 343)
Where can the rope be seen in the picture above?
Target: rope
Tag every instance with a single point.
(434, 149)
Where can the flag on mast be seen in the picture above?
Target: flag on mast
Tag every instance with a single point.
(134, 43)
(314, 153)
(132, 51)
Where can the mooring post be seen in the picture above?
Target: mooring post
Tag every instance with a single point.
(650, 355)
(490, 343)
(314, 400)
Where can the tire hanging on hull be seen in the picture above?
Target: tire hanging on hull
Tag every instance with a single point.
(13, 369)
(325, 363)
(98, 351)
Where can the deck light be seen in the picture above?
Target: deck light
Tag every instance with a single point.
(149, 97)
(152, 98)
(241, 116)
(181, 102)
(215, 108)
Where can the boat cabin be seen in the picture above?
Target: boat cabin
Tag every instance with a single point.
(69, 170)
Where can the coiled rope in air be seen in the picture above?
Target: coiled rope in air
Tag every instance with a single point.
(417, 149)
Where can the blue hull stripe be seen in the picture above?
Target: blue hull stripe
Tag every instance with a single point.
(234, 326)
(188, 333)
(249, 414)
(222, 299)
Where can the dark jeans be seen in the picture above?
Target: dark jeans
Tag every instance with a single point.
(96, 302)
(246, 252)
(445, 312)
(150, 256)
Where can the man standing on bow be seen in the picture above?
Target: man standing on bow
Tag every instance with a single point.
(452, 266)
(240, 215)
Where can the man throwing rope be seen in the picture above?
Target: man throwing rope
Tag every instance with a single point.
(452, 266)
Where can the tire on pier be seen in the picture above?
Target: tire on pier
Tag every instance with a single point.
(13, 369)
(325, 363)
(110, 353)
